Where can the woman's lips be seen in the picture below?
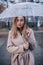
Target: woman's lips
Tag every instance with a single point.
(19, 25)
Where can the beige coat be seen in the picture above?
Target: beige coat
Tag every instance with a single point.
(15, 47)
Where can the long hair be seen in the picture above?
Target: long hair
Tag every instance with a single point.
(14, 27)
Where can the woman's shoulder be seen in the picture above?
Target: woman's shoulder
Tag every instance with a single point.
(30, 29)
(10, 33)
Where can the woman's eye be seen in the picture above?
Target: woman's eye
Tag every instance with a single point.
(17, 20)
(21, 20)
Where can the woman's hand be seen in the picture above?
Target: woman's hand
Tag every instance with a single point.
(28, 31)
(26, 45)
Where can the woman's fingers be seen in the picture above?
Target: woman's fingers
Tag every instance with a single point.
(26, 45)
(28, 32)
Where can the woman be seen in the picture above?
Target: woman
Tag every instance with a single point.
(21, 42)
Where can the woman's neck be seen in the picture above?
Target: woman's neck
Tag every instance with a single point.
(20, 30)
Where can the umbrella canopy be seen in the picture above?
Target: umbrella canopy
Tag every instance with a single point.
(23, 9)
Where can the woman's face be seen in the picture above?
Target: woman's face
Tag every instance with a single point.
(20, 21)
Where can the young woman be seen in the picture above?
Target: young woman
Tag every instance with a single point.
(21, 42)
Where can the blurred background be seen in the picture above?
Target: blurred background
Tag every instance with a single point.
(34, 22)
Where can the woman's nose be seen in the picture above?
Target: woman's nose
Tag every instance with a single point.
(19, 21)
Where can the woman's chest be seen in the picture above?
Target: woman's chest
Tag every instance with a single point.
(18, 41)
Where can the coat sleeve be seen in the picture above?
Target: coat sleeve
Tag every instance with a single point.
(11, 47)
(32, 40)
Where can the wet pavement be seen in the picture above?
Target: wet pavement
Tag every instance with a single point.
(5, 57)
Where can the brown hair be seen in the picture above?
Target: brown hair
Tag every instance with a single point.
(14, 27)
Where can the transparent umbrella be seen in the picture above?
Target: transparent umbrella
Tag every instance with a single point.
(23, 9)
